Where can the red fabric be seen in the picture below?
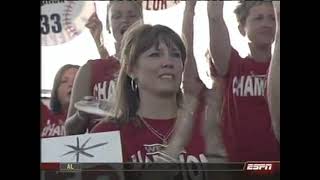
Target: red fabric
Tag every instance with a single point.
(45, 114)
(247, 129)
(138, 143)
(103, 74)
(52, 124)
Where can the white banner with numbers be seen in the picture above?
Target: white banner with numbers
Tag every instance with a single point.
(61, 20)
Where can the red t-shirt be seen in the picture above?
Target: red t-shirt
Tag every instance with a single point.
(139, 143)
(52, 124)
(45, 113)
(246, 124)
(103, 79)
(103, 76)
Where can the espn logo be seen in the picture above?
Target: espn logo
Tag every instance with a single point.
(258, 166)
(262, 167)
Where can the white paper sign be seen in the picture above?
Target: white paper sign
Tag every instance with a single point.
(86, 148)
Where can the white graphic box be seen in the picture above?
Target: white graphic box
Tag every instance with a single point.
(85, 148)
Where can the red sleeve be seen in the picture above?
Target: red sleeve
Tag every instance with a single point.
(233, 64)
(103, 69)
(106, 66)
(104, 127)
(45, 115)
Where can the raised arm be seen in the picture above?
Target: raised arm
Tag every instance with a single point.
(77, 123)
(192, 86)
(220, 47)
(212, 125)
(187, 27)
(190, 67)
(95, 27)
(274, 77)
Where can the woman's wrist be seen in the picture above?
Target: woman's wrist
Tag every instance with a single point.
(190, 102)
(81, 116)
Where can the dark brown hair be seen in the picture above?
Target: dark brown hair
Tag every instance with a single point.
(55, 104)
(138, 39)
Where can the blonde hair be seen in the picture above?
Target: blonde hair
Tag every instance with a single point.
(138, 39)
(243, 9)
(137, 4)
